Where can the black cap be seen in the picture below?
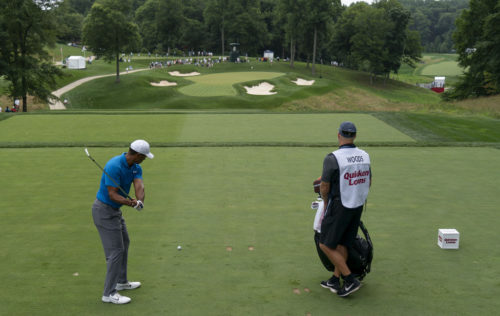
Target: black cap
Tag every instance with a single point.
(347, 130)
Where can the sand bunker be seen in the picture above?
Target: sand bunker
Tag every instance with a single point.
(262, 89)
(302, 82)
(163, 83)
(178, 74)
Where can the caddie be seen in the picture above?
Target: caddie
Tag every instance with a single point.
(345, 183)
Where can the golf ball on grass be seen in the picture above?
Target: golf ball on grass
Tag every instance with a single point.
(179, 247)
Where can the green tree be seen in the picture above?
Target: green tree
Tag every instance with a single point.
(320, 14)
(27, 27)
(80, 6)
(368, 43)
(397, 41)
(108, 30)
(169, 19)
(146, 18)
(413, 48)
(69, 23)
(477, 41)
(248, 26)
(218, 16)
(293, 15)
(344, 29)
(375, 38)
(274, 24)
(193, 34)
(434, 20)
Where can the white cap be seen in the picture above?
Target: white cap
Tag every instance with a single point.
(142, 147)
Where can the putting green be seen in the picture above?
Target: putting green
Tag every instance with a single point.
(221, 84)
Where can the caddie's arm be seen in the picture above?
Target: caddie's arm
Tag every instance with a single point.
(116, 197)
(324, 190)
(139, 189)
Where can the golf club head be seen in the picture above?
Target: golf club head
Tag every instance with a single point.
(87, 152)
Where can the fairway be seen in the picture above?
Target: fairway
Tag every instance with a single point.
(86, 129)
(445, 68)
(239, 201)
(221, 84)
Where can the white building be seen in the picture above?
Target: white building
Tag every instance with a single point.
(76, 62)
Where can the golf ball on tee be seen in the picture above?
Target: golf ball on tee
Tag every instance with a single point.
(179, 247)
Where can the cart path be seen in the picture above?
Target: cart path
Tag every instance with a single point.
(58, 105)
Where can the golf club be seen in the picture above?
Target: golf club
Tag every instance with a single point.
(119, 187)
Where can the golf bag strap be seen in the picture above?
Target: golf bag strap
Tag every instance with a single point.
(368, 240)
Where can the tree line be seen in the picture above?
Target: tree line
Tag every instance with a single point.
(197, 22)
(435, 22)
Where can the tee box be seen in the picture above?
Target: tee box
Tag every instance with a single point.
(448, 238)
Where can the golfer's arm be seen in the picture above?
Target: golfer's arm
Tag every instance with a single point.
(324, 190)
(139, 189)
(116, 197)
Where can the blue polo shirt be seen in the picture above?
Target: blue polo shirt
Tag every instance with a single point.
(118, 168)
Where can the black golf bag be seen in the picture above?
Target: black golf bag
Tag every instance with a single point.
(360, 254)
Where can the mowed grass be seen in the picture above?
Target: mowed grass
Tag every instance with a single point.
(208, 199)
(333, 87)
(135, 90)
(431, 65)
(445, 68)
(87, 129)
(221, 84)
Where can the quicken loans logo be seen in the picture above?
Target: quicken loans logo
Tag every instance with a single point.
(448, 240)
(356, 177)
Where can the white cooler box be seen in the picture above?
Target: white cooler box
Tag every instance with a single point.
(448, 238)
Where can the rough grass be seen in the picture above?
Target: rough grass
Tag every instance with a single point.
(430, 128)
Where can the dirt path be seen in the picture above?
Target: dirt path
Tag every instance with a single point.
(58, 105)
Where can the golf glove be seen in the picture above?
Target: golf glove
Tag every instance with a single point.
(139, 206)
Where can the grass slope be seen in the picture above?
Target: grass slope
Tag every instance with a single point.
(431, 65)
(135, 91)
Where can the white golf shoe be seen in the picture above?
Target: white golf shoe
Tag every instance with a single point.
(116, 299)
(127, 286)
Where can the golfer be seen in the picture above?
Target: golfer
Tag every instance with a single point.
(124, 170)
(345, 183)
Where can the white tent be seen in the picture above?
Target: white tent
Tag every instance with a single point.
(268, 54)
(76, 62)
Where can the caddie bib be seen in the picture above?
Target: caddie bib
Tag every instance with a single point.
(354, 171)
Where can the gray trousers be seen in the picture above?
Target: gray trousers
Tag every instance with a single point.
(114, 237)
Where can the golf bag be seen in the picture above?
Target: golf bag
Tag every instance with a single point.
(360, 253)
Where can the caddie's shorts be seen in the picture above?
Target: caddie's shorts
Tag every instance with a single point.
(340, 225)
